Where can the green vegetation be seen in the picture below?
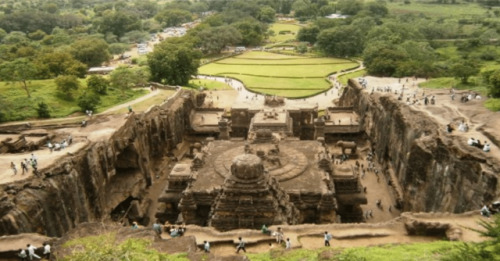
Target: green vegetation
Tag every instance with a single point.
(106, 247)
(158, 99)
(283, 75)
(283, 32)
(417, 251)
(19, 107)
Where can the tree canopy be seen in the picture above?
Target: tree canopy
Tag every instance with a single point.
(174, 62)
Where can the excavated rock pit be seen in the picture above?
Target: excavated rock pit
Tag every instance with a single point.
(109, 179)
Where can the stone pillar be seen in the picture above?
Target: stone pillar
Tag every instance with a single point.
(319, 128)
(224, 129)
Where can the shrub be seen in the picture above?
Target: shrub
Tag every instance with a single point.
(42, 110)
(98, 84)
(89, 101)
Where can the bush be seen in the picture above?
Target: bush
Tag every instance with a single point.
(89, 101)
(285, 32)
(42, 110)
(66, 84)
(98, 84)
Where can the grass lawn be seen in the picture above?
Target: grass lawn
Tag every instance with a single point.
(266, 56)
(291, 88)
(312, 70)
(276, 74)
(462, 10)
(408, 252)
(144, 105)
(474, 84)
(297, 61)
(209, 84)
(345, 77)
(20, 107)
(278, 38)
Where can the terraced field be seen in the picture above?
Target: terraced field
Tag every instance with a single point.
(276, 74)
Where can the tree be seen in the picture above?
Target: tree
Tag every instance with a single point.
(377, 8)
(66, 84)
(89, 101)
(252, 31)
(54, 63)
(494, 87)
(173, 62)
(350, 7)
(118, 22)
(302, 48)
(90, 51)
(43, 110)
(340, 41)
(173, 17)
(382, 58)
(266, 14)
(98, 84)
(463, 70)
(20, 70)
(124, 78)
(214, 39)
(308, 34)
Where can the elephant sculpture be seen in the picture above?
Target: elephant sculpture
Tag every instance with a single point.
(347, 145)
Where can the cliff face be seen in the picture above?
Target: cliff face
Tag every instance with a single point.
(88, 185)
(435, 171)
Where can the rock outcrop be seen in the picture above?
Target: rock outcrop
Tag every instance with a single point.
(436, 171)
(88, 185)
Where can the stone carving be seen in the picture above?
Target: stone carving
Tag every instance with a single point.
(250, 198)
(347, 145)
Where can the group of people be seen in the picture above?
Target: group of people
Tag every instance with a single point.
(25, 164)
(30, 254)
(477, 143)
(57, 146)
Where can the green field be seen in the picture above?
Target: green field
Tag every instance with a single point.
(463, 10)
(275, 74)
(20, 107)
(345, 77)
(278, 38)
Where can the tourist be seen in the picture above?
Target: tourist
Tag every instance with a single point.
(84, 123)
(157, 228)
(265, 230)
(279, 235)
(288, 245)
(471, 141)
(13, 167)
(241, 246)
(64, 144)
(27, 163)
(486, 147)
(167, 227)
(33, 158)
(182, 229)
(51, 147)
(174, 232)
(449, 129)
(328, 237)
(485, 212)
(57, 147)
(70, 140)
(46, 251)
(134, 225)
(31, 252)
(129, 109)
(22, 254)
(206, 246)
(24, 167)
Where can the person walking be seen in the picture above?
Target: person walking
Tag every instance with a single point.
(13, 167)
(31, 252)
(288, 244)
(46, 251)
(328, 237)
(206, 246)
(22, 255)
(241, 246)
